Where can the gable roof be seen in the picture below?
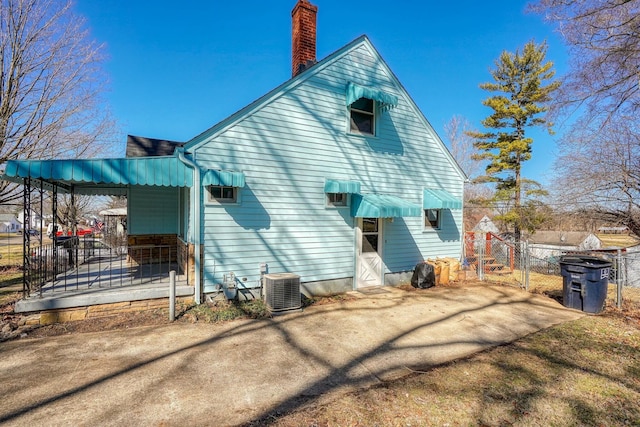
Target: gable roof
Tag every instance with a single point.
(139, 146)
(486, 225)
(560, 238)
(307, 74)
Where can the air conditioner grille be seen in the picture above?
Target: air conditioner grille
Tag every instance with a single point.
(282, 291)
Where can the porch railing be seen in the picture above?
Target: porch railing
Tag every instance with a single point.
(75, 263)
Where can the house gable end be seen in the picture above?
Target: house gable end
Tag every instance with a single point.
(363, 52)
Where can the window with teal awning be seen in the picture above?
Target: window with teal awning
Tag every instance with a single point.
(385, 100)
(440, 199)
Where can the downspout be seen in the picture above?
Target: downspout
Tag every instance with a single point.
(196, 221)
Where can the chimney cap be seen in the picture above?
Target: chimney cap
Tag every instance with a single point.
(305, 4)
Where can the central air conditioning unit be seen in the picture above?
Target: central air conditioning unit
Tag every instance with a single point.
(282, 292)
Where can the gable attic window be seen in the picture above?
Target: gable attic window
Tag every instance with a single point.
(363, 117)
(365, 106)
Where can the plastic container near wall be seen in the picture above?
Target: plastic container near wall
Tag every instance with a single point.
(585, 280)
(437, 268)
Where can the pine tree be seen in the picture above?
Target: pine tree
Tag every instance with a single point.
(524, 87)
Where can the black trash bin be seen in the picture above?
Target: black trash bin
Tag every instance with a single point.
(584, 282)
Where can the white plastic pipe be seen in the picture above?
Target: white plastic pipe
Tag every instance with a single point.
(196, 219)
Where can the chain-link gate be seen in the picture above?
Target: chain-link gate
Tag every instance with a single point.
(495, 259)
(536, 268)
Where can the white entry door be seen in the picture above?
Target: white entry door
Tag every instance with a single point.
(369, 249)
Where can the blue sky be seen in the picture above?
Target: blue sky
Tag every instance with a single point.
(177, 69)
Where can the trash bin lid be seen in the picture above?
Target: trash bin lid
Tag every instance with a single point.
(585, 261)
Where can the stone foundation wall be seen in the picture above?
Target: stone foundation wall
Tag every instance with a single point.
(103, 310)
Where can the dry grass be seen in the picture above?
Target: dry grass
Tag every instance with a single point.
(574, 374)
(582, 373)
(11, 255)
(10, 287)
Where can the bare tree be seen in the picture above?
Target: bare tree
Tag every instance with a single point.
(599, 170)
(50, 85)
(461, 145)
(604, 45)
(476, 195)
(599, 162)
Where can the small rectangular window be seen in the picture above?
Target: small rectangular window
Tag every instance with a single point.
(432, 218)
(363, 116)
(223, 194)
(336, 199)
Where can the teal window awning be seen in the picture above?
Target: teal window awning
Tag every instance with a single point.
(385, 101)
(86, 176)
(440, 199)
(382, 206)
(223, 178)
(334, 186)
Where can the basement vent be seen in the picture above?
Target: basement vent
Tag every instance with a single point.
(282, 291)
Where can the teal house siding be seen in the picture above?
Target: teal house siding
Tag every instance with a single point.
(288, 143)
(153, 210)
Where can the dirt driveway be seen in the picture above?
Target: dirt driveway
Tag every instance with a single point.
(230, 374)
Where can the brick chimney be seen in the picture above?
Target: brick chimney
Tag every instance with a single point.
(303, 36)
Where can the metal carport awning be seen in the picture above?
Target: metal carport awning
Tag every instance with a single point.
(382, 206)
(101, 176)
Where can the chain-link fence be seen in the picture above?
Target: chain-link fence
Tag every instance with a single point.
(495, 259)
(537, 268)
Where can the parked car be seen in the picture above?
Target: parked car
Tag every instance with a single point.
(31, 231)
(79, 232)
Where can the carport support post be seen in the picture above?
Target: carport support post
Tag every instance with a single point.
(172, 295)
(26, 238)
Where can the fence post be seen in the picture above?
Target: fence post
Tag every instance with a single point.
(619, 279)
(525, 261)
(480, 271)
(172, 295)
(512, 256)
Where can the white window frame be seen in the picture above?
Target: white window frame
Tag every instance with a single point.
(427, 223)
(333, 204)
(373, 114)
(223, 200)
